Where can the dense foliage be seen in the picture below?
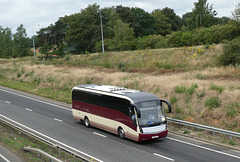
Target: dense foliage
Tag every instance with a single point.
(231, 53)
(14, 45)
(126, 28)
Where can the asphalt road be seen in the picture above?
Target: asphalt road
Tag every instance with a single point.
(54, 119)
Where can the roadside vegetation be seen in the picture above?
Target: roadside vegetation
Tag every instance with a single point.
(191, 78)
(15, 141)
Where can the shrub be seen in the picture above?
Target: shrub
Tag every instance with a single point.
(231, 143)
(201, 94)
(173, 100)
(213, 102)
(186, 132)
(157, 90)
(122, 66)
(191, 90)
(231, 53)
(19, 75)
(174, 39)
(151, 41)
(67, 58)
(201, 77)
(186, 38)
(180, 89)
(216, 88)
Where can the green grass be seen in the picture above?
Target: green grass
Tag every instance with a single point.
(49, 92)
(157, 59)
(15, 141)
(23, 86)
(214, 87)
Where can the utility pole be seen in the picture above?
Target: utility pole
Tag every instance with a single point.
(101, 31)
(34, 42)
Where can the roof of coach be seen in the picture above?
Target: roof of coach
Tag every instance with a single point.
(133, 95)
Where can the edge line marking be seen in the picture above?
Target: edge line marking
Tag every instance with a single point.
(205, 148)
(34, 99)
(4, 158)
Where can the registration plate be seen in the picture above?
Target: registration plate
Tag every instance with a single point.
(154, 136)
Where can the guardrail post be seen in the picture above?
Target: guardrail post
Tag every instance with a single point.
(74, 157)
(230, 137)
(213, 133)
(59, 152)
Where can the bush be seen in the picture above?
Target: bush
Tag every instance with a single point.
(173, 100)
(231, 53)
(174, 39)
(213, 102)
(191, 90)
(187, 38)
(151, 41)
(216, 88)
(180, 89)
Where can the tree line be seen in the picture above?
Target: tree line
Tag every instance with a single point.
(126, 28)
(14, 45)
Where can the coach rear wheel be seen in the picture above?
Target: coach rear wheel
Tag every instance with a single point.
(86, 122)
(121, 133)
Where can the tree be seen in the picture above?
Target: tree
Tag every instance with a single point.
(6, 43)
(173, 19)
(21, 42)
(162, 25)
(187, 20)
(84, 29)
(125, 14)
(202, 15)
(109, 19)
(236, 13)
(142, 22)
(58, 31)
(124, 36)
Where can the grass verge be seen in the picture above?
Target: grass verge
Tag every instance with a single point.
(15, 141)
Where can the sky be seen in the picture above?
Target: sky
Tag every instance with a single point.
(36, 14)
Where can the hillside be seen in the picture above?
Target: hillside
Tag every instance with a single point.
(190, 78)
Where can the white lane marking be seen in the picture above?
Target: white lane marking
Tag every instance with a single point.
(28, 109)
(51, 139)
(164, 157)
(8, 102)
(58, 120)
(36, 100)
(99, 134)
(4, 158)
(202, 147)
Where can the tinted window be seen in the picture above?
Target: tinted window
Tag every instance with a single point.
(102, 100)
